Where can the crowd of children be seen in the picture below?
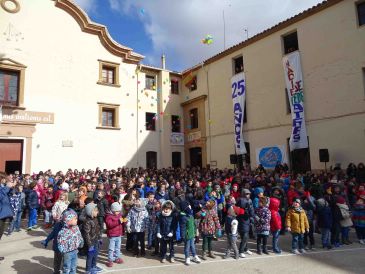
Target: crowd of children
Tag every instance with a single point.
(166, 206)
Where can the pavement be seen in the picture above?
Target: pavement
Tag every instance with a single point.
(25, 255)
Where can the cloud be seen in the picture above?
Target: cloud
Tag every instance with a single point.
(176, 27)
(89, 6)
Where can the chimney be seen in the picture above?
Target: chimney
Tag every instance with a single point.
(163, 61)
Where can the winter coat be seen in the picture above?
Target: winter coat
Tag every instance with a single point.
(231, 225)
(58, 208)
(48, 201)
(297, 221)
(137, 219)
(275, 222)
(161, 196)
(358, 215)
(32, 201)
(166, 224)
(15, 200)
(324, 217)
(90, 231)
(244, 220)
(209, 223)
(309, 207)
(150, 189)
(69, 238)
(262, 220)
(186, 232)
(102, 205)
(5, 208)
(346, 216)
(281, 197)
(114, 228)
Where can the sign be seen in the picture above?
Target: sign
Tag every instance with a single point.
(177, 139)
(294, 86)
(194, 136)
(238, 98)
(67, 143)
(22, 116)
(268, 157)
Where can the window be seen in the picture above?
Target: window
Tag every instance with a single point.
(108, 73)
(9, 87)
(174, 86)
(288, 109)
(290, 42)
(194, 84)
(238, 65)
(150, 82)
(108, 116)
(150, 121)
(175, 123)
(194, 118)
(176, 159)
(361, 13)
(12, 76)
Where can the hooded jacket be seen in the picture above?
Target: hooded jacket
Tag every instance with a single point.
(90, 228)
(166, 224)
(114, 228)
(275, 222)
(324, 213)
(209, 223)
(262, 220)
(256, 193)
(137, 219)
(244, 220)
(69, 238)
(5, 208)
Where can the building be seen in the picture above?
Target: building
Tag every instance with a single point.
(330, 39)
(77, 99)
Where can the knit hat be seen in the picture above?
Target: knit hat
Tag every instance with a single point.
(115, 207)
(89, 208)
(68, 215)
(340, 200)
(246, 191)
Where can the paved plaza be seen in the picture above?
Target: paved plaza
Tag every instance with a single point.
(25, 255)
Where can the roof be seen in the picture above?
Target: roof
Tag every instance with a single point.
(101, 31)
(311, 11)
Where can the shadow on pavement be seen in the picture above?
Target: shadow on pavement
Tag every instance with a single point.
(26, 267)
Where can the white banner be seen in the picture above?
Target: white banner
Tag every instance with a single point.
(238, 98)
(268, 157)
(294, 86)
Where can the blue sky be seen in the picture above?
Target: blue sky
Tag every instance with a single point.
(176, 27)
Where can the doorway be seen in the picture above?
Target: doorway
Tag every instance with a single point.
(176, 159)
(151, 159)
(11, 155)
(196, 157)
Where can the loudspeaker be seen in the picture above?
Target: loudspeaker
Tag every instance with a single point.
(233, 159)
(324, 156)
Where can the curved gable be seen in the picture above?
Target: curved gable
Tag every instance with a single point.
(101, 31)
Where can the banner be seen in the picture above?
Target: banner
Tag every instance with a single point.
(294, 86)
(238, 98)
(268, 157)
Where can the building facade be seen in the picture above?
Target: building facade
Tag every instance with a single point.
(71, 97)
(330, 39)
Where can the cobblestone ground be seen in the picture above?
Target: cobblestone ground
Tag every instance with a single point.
(25, 255)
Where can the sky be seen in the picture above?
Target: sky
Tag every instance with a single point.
(176, 28)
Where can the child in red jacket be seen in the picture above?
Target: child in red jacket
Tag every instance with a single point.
(275, 224)
(114, 231)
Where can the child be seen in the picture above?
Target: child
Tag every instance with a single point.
(297, 224)
(60, 206)
(187, 232)
(166, 225)
(136, 225)
(153, 224)
(114, 231)
(324, 222)
(152, 216)
(346, 222)
(309, 207)
(69, 240)
(358, 216)
(244, 221)
(15, 202)
(58, 256)
(91, 232)
(275, 224)
(33, 206)
(47, 203)
(262, 224)
(231, 225)
(209, 225)
(102, 205)
(18, 216)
